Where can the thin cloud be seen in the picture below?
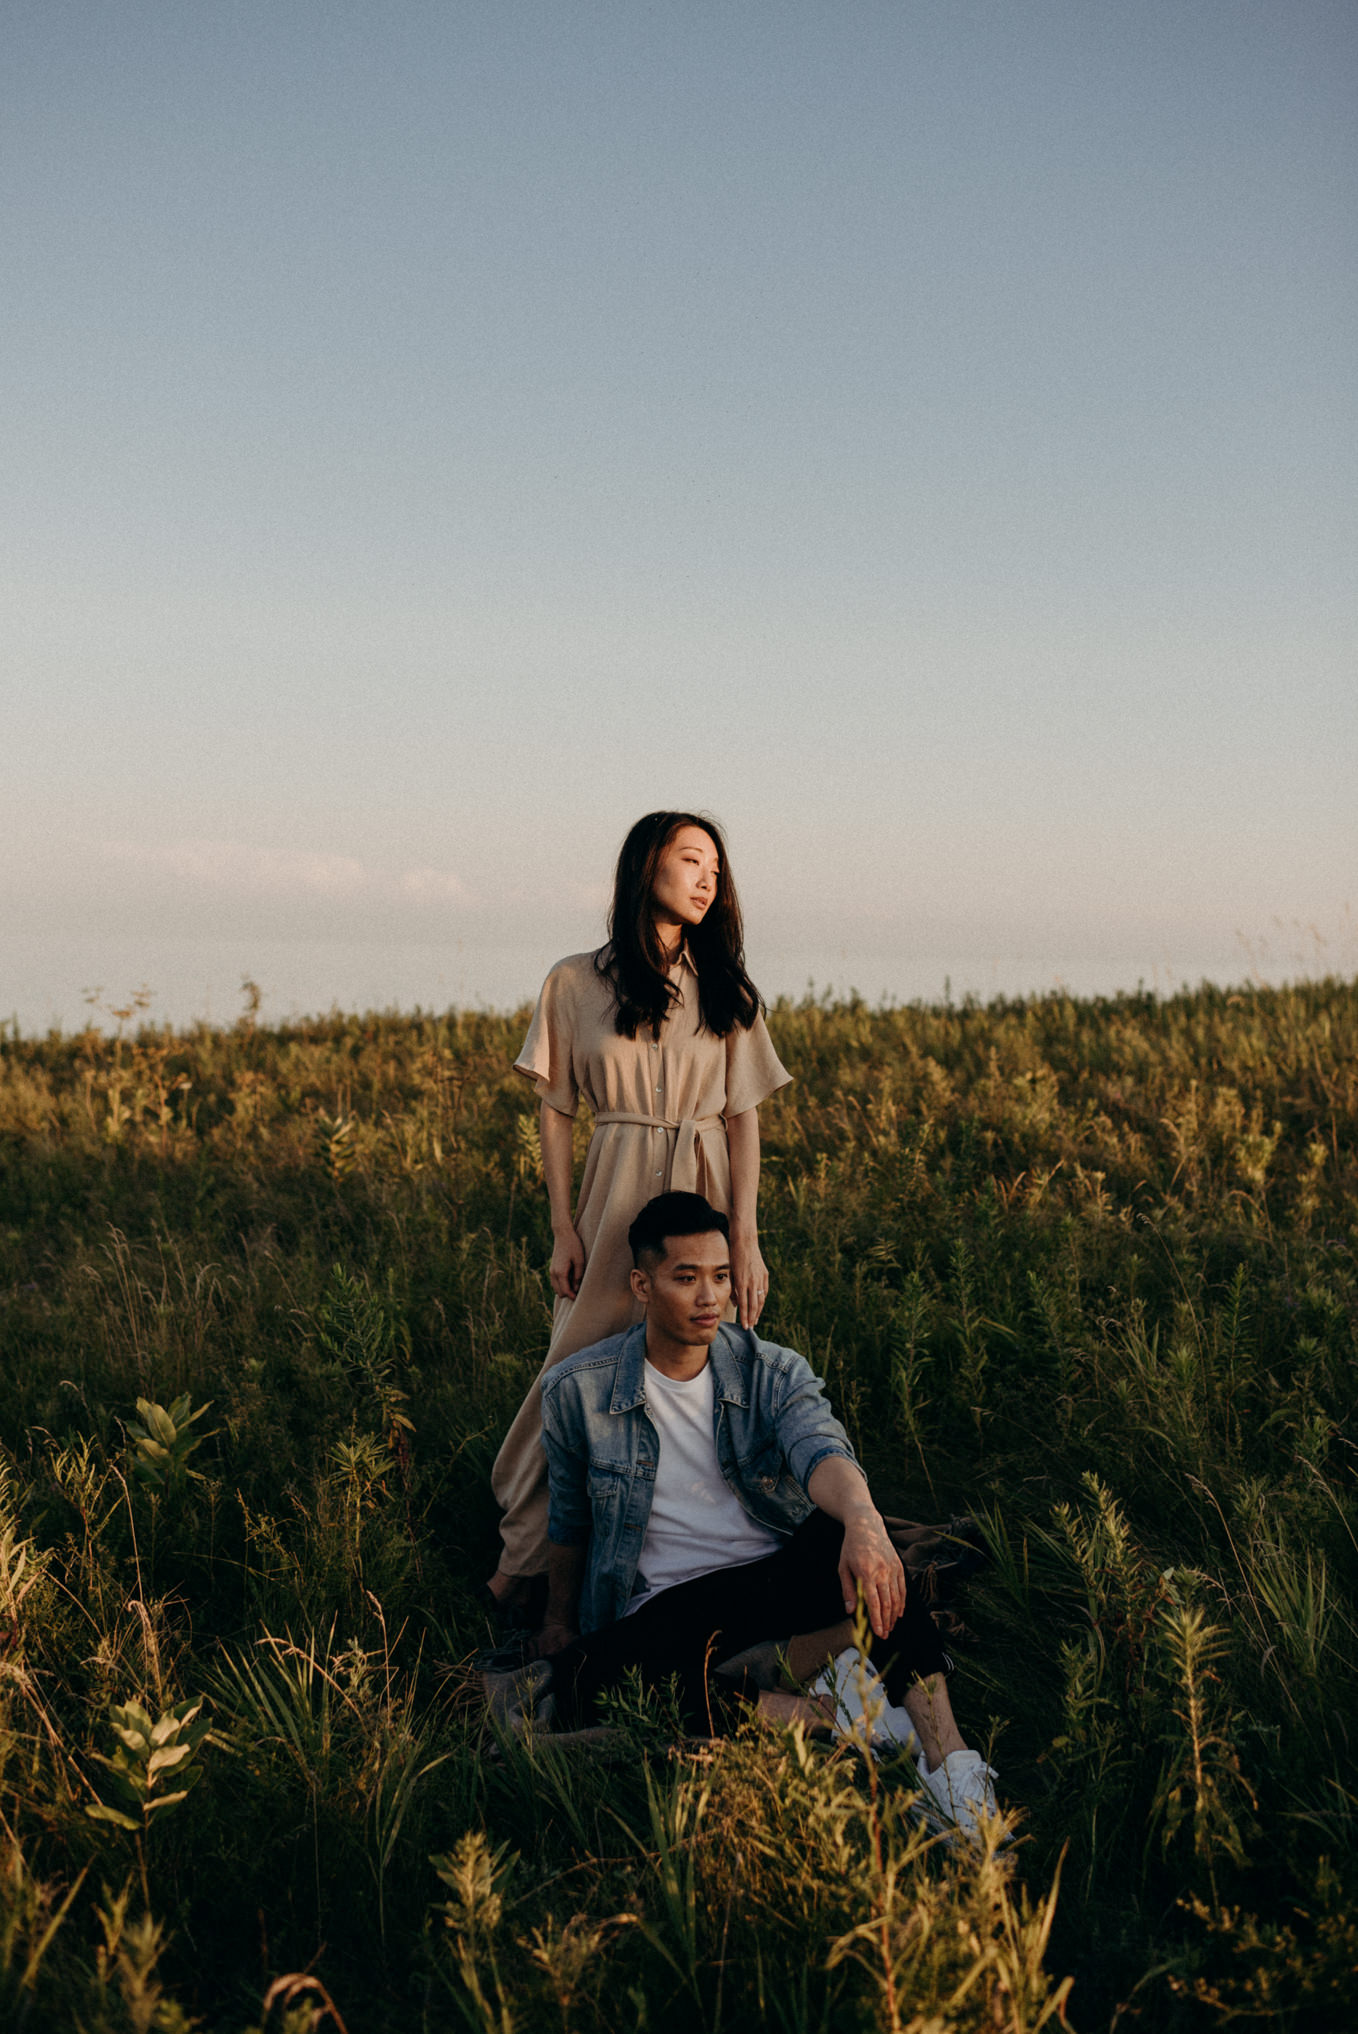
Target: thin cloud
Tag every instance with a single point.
(562, 893)
(245, 871)
(438, 886)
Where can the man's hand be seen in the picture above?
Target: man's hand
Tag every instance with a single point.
(870, 1562)
(554, 1637)
(839, 1487)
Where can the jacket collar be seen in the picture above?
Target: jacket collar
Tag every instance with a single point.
(629, 1379)
(728, 1383)
(728, 1378)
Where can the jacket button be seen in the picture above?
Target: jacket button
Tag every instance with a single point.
(768, 1482)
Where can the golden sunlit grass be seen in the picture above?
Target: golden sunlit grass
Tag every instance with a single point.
(1085, 1269)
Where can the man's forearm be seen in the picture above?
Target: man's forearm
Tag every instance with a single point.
(565, 1572)
(838, 1486)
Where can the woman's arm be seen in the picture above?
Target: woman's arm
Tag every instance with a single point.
(749, 1273)
(568, 1252)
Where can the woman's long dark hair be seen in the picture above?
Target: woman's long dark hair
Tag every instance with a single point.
(634, 961)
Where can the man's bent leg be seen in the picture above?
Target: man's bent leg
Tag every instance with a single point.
(688, 1629)
(810, 1652)
(803, 1585)
(929, 1708)
(677, 1634)
(915, 1677)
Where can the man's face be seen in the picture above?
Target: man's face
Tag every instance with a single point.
(686, 1293)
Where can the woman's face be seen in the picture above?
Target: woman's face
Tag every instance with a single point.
(686, 881)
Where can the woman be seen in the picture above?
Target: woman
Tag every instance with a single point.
(661, 1034)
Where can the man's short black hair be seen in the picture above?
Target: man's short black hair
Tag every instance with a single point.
(670, 1215)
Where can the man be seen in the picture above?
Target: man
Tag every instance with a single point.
(704, 1497)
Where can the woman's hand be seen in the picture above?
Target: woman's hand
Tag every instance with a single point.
(568, 1252)
(568, 1263)
(749, 1279)
(749, 1273)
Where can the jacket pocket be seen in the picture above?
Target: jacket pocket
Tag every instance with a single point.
(605, 1483)
(763, 1469)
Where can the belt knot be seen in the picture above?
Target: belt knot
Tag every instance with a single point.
(687, 1131)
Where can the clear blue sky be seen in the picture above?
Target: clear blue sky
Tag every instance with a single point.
(435, 433)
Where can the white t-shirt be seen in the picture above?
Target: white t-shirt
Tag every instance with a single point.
(697, 1523)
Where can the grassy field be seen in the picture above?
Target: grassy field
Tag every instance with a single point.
(1085, 1269)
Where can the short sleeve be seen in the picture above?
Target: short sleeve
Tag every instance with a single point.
(546, 1054)
(753, 1069)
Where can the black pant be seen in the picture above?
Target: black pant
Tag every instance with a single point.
(689, 1629)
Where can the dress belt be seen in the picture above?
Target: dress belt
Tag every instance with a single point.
(684, 1164)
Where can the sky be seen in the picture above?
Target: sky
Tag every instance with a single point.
(920, 435)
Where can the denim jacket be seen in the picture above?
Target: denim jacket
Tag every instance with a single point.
(771, 1426)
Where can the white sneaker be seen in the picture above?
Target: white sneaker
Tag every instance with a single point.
(862, 1710)
(962, 1789)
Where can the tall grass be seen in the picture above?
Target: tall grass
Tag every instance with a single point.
(268, 1299)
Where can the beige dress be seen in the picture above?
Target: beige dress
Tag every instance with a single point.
(660, 1110)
